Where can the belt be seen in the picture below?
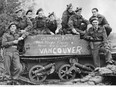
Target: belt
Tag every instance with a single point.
(14, 46)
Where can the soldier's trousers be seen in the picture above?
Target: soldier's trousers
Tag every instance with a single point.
(12, 62)
(97, 49)
(108, 30)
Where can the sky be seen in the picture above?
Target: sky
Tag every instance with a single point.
(106, 8)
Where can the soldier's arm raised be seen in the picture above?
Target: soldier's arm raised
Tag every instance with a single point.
(70, 24)
(64, 19)
(59, 26)
(29, 23)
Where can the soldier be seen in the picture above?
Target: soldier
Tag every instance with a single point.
(77, 23)
(29, 15)
(53, 24)
(65, 18)
(97, 37)
(40, 23)
(24, 25)
(10, 40)
(102, 20)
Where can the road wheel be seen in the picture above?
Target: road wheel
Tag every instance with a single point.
(36, 76)
(64, 73)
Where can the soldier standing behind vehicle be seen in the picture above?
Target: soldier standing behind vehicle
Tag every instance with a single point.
(40, 23)
(77, 23)
(10, 40)
(102, 20)
(65, 18)
(53, 24)
(24, 25)
(97, 37)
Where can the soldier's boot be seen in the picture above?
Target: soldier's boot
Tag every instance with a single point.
(96, 79)
(86, 78)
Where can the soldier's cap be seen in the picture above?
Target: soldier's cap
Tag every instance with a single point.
(94, 20)
(10, 24)
(28, 11)
(50, 14)
(69, 6)
(78, 9)
(17, 10)
(40, 9)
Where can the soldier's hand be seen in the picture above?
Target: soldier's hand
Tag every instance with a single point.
(91, 38)
(15, 41)
(74, 31)
(57, 30)
(22, 31)
(20, 38)
(51, 33)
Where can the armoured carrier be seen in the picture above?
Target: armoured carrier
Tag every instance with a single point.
(66, 55)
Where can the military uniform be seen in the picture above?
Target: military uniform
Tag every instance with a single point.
(78, 22)
(102, 22)
(23, 23)
(11, 55)
(40, 25)
(52, 25)
(98, 43)
(65, 18)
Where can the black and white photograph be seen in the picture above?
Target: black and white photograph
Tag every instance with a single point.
(58, 42)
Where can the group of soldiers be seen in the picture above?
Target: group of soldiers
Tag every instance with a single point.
(95, 30)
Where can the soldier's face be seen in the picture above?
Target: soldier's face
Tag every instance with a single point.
(19, 14)
(94, 12)
(13, 28)
(41, 14)
(52, 18)
(29, 14)
(79, 12)
(95, 23)
(70, 10)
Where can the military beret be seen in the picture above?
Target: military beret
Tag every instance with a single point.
(28, 11)
(94, 19)
(12, 23)
(51, 14)
(39, 11)
(78, 9)
(17, 10)
(69, 6)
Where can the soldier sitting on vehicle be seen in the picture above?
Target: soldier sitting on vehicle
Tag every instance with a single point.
(24, 25)
(65, 18)
(97, 37)
(29, 14)
(77, 23)
(40, 23)
(53, 24)
(102, 20)
(10, 41)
